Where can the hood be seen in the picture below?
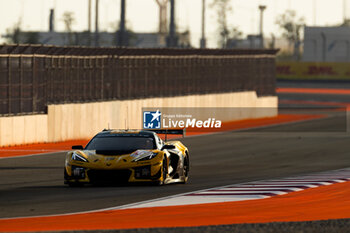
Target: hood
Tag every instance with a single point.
(133, 153)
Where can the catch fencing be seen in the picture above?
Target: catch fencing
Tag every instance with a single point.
(32, 77)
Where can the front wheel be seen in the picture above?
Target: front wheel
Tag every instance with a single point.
(163, 172)
(70, 183)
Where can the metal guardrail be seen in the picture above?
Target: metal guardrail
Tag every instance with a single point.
(31, 77)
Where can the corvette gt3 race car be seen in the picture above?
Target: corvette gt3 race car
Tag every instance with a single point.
(120, 156)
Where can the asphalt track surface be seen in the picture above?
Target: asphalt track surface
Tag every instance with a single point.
(31, 186)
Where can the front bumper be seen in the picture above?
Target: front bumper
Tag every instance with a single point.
(145, 173)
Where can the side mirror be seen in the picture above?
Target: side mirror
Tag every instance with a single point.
(78, 147)
(168, 147)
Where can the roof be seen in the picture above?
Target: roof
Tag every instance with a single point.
(126, 132)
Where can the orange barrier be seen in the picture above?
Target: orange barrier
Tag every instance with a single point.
(322, 203)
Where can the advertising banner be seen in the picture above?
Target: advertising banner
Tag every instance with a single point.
(313, 70)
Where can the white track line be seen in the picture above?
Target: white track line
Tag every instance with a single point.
(189, 198)
(247, 191)
(23, 156)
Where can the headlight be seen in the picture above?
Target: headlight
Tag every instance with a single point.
(145, 156)
(77, 157)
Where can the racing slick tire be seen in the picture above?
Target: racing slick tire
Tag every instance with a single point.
(69, 183)
(163, 173)
(186, 168)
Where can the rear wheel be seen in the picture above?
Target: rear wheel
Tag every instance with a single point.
(186, 168)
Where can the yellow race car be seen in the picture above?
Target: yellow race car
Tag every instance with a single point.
(121, 156)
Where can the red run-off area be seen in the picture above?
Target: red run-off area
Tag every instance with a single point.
(226, 126)
(322, 203)
(314, 91)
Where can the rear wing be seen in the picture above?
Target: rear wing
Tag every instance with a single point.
(169, 131)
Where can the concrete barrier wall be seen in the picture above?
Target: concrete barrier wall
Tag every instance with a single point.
(19, 130)
(78, 121)
(82, 121)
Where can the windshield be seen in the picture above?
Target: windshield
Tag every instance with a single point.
(125, 144)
